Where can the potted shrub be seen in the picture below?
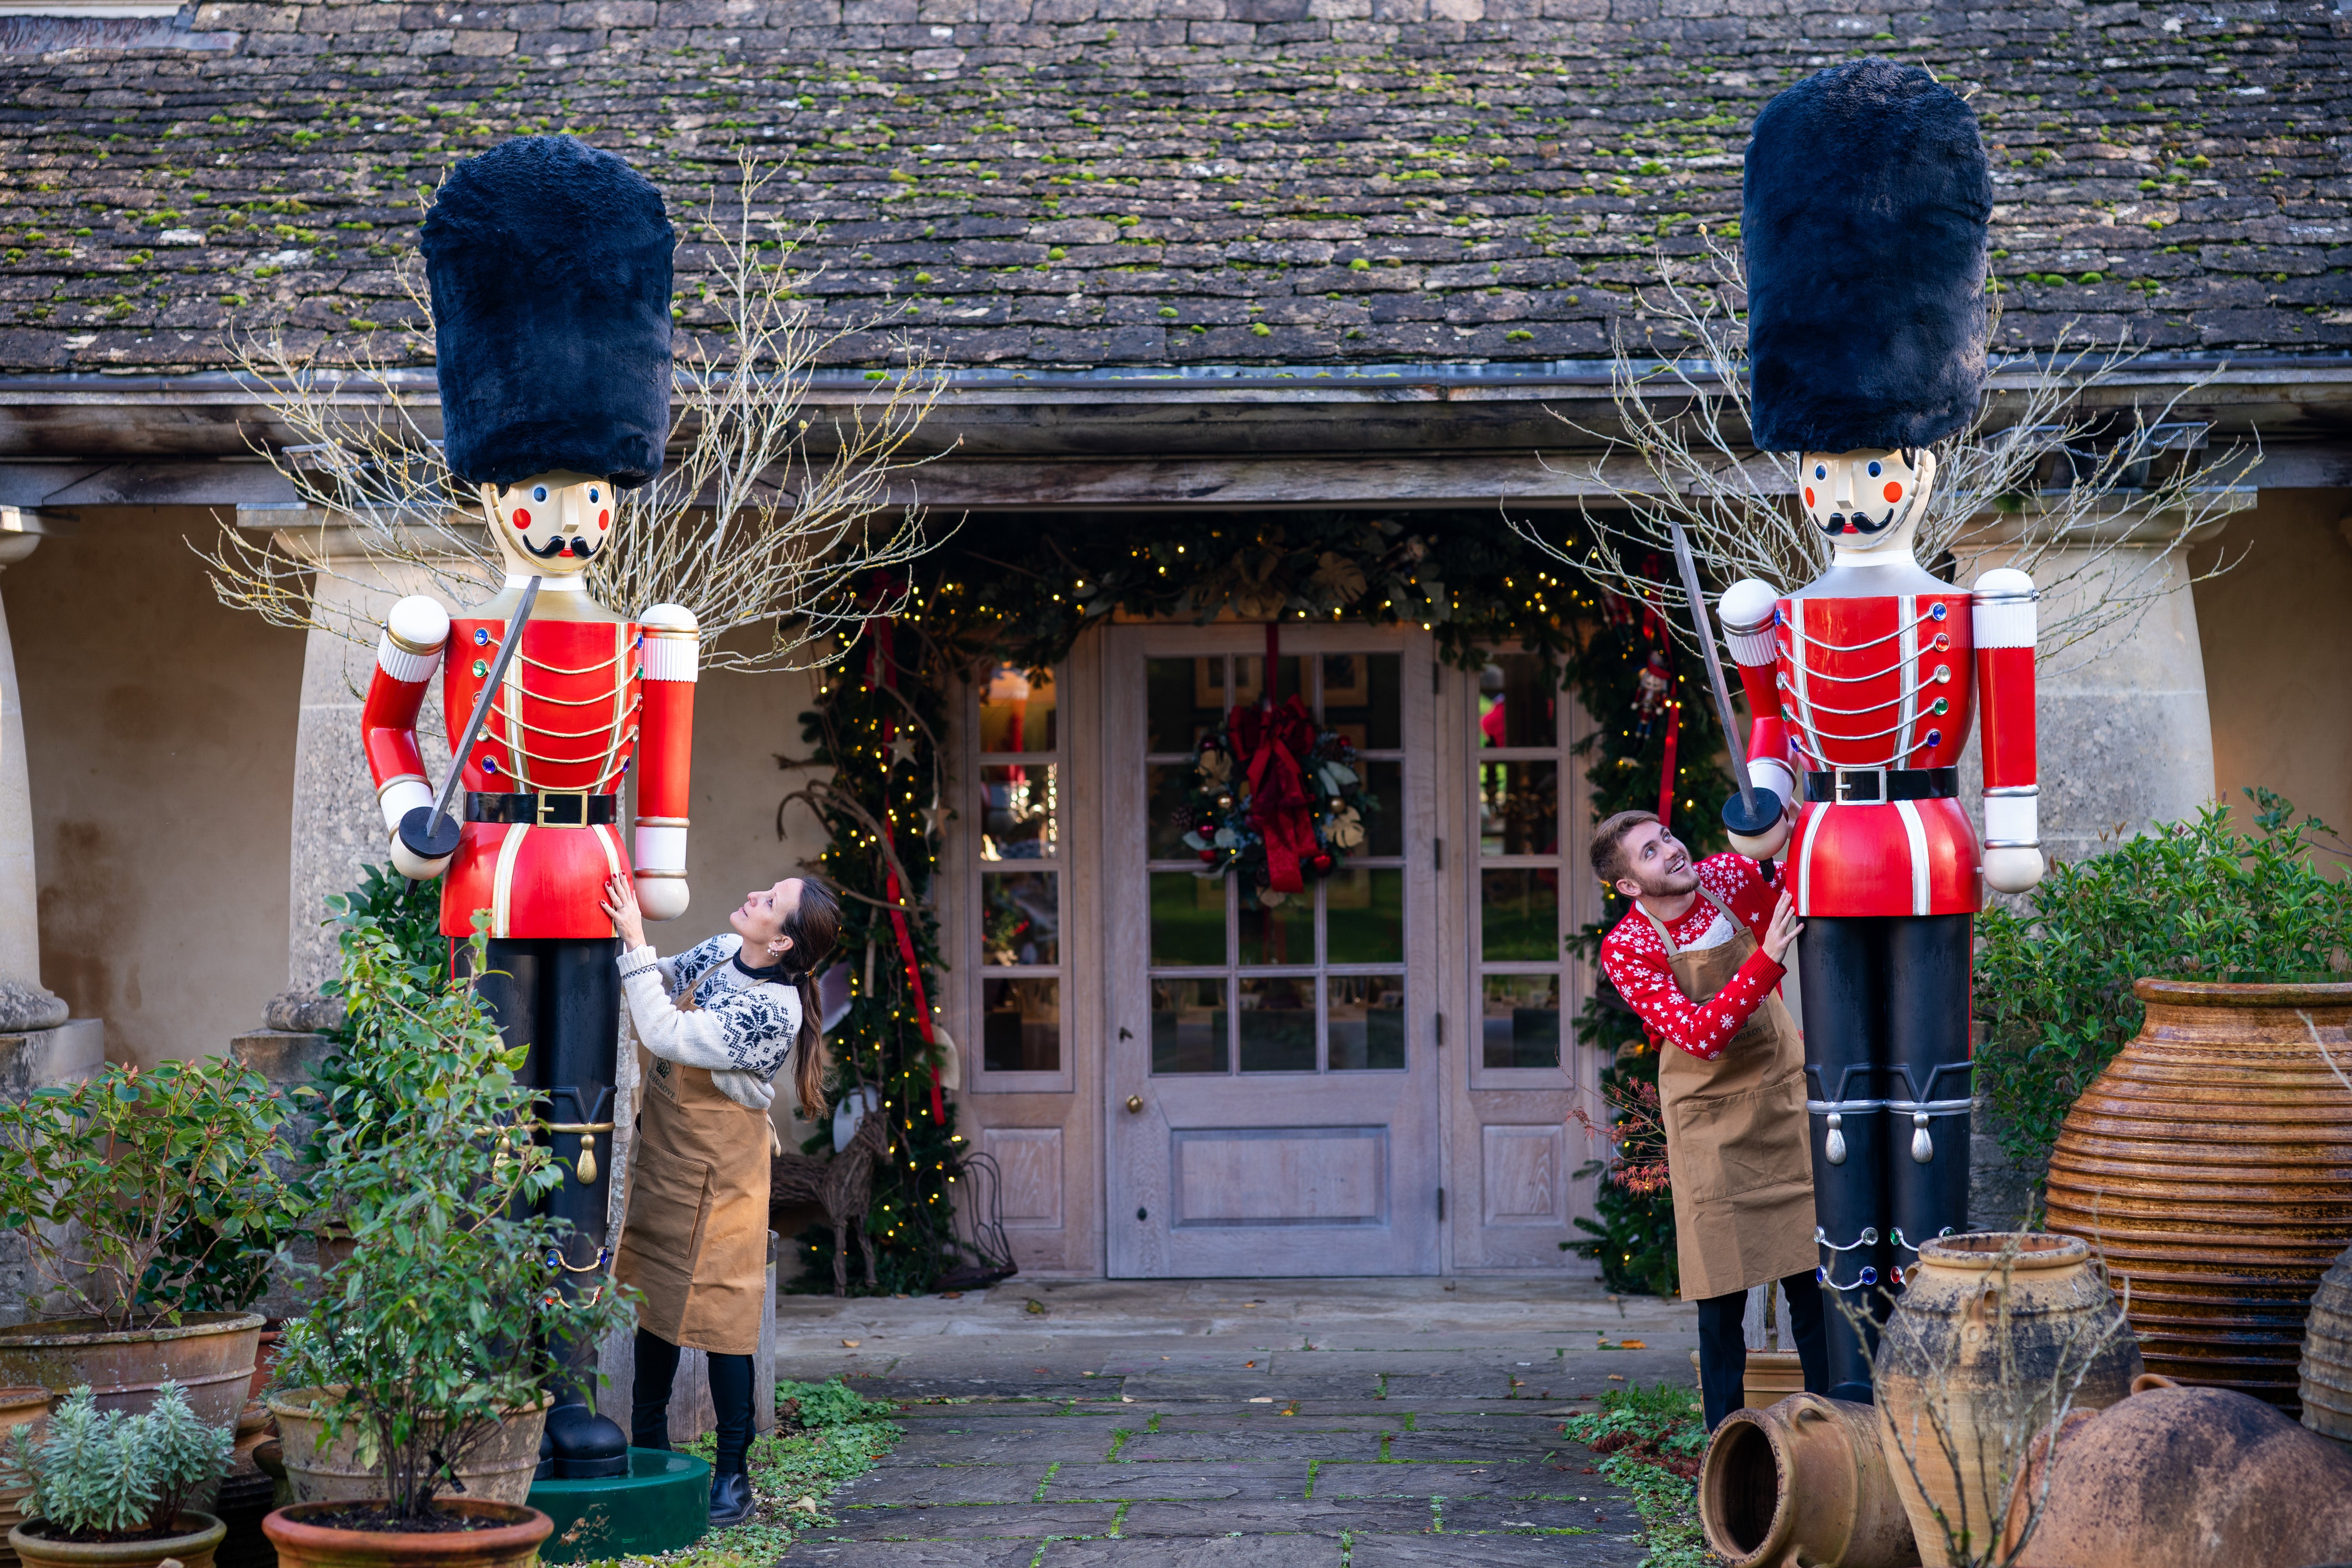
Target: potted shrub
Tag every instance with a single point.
(110, 1489)
(150, 1211)
(427, 1345)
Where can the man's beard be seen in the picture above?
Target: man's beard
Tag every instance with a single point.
(1666, 885)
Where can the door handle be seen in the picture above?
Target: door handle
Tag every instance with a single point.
(1124, 1032)
(1134, 1104)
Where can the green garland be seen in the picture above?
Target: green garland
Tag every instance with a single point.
(1003, 590)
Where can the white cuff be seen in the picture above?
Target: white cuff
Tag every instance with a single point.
(638, 961)
(2002, 614)
(401, 796)
(1775, 776)
(659, 847)
(2012, 817)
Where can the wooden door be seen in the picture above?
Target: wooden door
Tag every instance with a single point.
(1272, 1088)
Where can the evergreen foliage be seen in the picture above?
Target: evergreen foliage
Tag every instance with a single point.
(101, 1475)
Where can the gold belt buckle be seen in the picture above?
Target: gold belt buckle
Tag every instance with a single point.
(538, 813)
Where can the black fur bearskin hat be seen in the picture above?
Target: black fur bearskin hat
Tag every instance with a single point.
(548, 262)
(1867, 198)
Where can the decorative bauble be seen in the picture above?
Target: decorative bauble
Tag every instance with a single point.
(1320, 865)
(2211, 1163)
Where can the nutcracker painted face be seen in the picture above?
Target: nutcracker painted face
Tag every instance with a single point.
(1866, 500)
(550, 525)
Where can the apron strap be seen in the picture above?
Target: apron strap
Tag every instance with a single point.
(1708, 894)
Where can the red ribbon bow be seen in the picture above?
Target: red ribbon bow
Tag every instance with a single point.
(1277, 741)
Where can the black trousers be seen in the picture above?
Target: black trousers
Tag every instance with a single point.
(1723, 1349)
(561, 997)
(730, 1394)
(1887, 1072)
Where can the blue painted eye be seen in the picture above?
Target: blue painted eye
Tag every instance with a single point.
(591, 492)
(539, 492)
(1821, 472)
(1874, 470)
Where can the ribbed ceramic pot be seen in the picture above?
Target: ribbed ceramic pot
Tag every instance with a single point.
(1799, 1482)
(2211, 1163)
(2327, 1373)
(511, 1538)
(1990, 1331)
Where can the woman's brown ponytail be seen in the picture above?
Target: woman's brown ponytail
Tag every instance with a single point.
(812, 927)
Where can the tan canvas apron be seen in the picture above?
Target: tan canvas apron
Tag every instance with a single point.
(1736, 1143)
(696, 1238)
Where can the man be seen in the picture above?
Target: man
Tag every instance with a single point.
(1699, 960)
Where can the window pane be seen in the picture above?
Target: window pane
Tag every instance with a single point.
(1171, 817)
(1016, 710)
(1277, 1019)
(1021, 917)
(1384, 828)
(1281, 932)
(1188, 920)
(1367, 1021)
(1522, 1021)
(1184, 699)
(1518, 702)
(1518, 914)
(1017, 811)
(1021, 1027)
(1361, 698)
(1188, 1026)
(1250, 671)
(1518, 809)
(1365, 912)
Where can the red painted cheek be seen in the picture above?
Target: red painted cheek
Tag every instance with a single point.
(1893, 491)
(1808, 495)
(521, 519)
(604, 519)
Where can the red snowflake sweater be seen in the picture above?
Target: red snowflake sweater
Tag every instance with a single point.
(1635, 961)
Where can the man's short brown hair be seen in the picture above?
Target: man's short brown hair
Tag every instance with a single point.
(1608, 843)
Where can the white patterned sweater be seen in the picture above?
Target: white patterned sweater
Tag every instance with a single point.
(744, 1022)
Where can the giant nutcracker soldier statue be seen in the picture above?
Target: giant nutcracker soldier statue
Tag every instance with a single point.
(1867, 198)
(550, 268)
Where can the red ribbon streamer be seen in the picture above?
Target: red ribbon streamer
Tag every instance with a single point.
(882, 671)
(1667, 779)
(1273, 740)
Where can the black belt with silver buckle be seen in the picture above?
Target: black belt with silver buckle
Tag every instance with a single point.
(551, 808)
(1875, 786)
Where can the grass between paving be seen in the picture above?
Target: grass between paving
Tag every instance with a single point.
(841, 1437)
(1650, 1440)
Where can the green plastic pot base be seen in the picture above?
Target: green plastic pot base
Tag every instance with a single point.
(662, 1504)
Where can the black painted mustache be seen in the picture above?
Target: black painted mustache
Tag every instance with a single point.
(1858, 523)
(580, 547)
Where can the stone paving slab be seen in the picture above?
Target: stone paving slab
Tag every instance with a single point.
(1427, 1436)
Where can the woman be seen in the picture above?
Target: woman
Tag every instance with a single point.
(713, 1031)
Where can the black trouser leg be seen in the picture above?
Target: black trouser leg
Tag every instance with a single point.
(1809, 1328)
(1927, 1083)
(649, 1400)
(1845, 982)
(730, 1397)
(1722, 1355)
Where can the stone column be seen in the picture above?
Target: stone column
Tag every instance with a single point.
(23, 1004)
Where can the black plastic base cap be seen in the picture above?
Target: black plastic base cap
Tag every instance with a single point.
(1735, 815)
(587, 1446)
(730, 1500)
(428, 834)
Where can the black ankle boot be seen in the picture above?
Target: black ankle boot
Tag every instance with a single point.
(731, 1500)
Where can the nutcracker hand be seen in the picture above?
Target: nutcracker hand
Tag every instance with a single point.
(2014, 870)
(663, 898)
(423, 845)
(1768, 844)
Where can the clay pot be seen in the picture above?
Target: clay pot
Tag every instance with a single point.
(2182, 1477)
(498, 1469)
(1986, 1326)
(19, 1408)
(1772, 1376)
(1803, 1481)
(209, 1354)
(2327, 1373)
(2211, 1165)
(265, 1355)
(514, 1543)
(200, 1534)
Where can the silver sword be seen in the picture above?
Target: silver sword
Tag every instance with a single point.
(1749, 807)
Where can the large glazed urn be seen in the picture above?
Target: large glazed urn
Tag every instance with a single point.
(2212, 1164)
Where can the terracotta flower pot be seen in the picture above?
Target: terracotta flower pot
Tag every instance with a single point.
(1942, 1361)
(200, 1534)
(1803, 1481)
(1772, 1376)
(19, 1408)
(209, 1354)
(2327, 1380)
(498, 1469)
(2212, 1164)
(2182, 1477)
(512, 1542)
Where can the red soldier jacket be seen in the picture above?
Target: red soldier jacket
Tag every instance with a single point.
(581, 703)
(1861, 707)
